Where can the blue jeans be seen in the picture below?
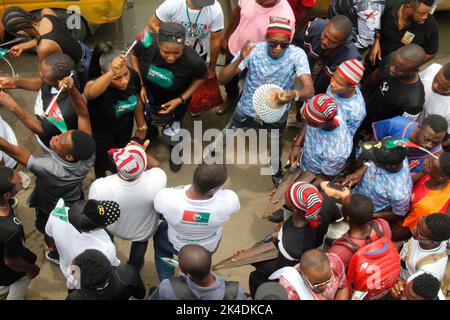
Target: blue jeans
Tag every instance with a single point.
(163, 249)
(137, 252)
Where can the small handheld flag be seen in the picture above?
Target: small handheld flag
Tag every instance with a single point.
(3, 52)
(131, 48)
(405, 143)
(61, 211)
(170, 262)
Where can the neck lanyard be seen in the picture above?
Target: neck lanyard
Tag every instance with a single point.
(192, 25)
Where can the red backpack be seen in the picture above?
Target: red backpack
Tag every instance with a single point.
(374, 269)
(374, 234)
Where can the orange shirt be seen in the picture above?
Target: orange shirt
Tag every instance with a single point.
(425, 202)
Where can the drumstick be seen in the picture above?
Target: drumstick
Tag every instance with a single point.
(56, 97)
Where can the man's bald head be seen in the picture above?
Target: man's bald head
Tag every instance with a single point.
(314, 260)
(195, 261)
(412, 53)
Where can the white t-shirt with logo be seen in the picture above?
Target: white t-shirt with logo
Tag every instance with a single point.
(138, 219)
(8, 134)
(197, 23)
(196, 221)
(434, 103)
(70, 243)
(417, 253)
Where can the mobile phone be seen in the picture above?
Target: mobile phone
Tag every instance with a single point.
(336, 186)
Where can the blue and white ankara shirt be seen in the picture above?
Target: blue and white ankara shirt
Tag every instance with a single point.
(387, 190)
(353, 109)
(262, 69)
(326, 151)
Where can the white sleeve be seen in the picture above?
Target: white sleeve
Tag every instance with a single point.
(217, 22)
(159, 201)
(159, 179)
(234, 203)
(165, 10)
(49, 226)
(93, 191)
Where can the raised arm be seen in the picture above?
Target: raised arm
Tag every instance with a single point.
(17, 153)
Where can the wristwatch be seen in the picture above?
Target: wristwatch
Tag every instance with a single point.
(182, 100)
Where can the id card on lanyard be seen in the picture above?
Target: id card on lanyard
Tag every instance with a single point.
(191, 32)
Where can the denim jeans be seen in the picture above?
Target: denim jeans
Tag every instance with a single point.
(137, 252)
(163, 249)
(240, 120)
(16, 291)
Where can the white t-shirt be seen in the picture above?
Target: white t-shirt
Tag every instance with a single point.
(436, 268)
(195, 221)
(138, 219)
(197, 23)
(434, 103)
(8, 134)
(70, 243)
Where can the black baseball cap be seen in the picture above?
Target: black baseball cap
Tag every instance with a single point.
(172, 32)
(383, 152)
(88, 215)
(202, 3)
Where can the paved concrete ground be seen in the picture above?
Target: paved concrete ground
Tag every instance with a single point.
(242, 231)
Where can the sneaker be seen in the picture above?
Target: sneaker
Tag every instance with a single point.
(13, 202)
(173, 129)
(26, 181)
(276, 178)
(229, 104)
(52, 256)
(175, 167)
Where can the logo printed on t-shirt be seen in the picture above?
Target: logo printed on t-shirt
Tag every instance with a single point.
(161, 77)
(125, 106)
(195, 217)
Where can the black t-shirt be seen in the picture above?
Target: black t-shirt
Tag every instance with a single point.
(61, 35)
(426, 35)
(55, 118)
(125, 282)
(112, 111)
(163, 81)
(296, 241)
(11, 247)
(391, 98)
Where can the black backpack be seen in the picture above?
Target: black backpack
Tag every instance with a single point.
(183, 292)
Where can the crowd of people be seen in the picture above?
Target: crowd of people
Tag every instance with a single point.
(373, 128)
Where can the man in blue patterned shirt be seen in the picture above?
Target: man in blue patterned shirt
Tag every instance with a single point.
(344, 89)
(384, 178)
(327, 141)
(275, 61)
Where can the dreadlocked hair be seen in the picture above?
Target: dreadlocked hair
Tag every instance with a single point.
(17, 19)
(439, 225)
(426, 286)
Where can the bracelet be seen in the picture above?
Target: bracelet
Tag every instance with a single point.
(182, 100)
(297, 95)
(142, 128)
(296, 145)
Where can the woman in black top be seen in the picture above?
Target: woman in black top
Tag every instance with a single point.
(49, 34)
(171, 72)
(114, 103)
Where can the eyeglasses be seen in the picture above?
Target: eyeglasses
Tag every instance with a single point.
(315, 287)
(283, 45)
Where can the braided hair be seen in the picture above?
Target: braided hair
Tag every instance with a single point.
(61, 65)
(16, 19)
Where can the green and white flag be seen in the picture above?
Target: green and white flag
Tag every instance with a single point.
(170, 262)
(61, 211)
(3, 52)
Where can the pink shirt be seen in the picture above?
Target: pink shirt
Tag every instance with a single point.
(254, 21)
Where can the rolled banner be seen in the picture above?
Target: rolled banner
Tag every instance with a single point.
(264, 103)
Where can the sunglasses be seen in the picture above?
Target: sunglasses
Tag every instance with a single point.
(315, 287)
(283, 45)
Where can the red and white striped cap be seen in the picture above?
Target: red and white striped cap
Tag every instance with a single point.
(305, 197)
(279, 25)
(320, 109)
(352, 70)
(130, 161)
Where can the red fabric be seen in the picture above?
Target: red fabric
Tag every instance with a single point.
(207, 97)
(297, 5)
(346, 254)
